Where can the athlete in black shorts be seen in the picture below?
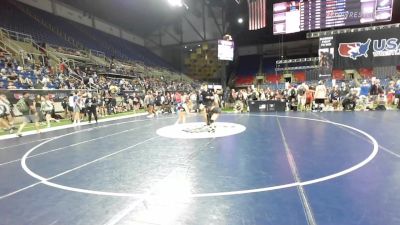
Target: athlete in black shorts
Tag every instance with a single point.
(211, 111)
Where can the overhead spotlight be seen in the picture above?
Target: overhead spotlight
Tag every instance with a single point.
(240, 20)
(178, 3)
(185, 46)
(175, 3)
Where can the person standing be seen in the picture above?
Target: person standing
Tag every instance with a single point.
(182, 108)
(27, 107)
(64, 104)
(364, 94)
(6, 118)
(397, 93)
(71, 106)
(9, 114)
(38, 106)
(320, 95)
(47, 108)
(149, 103)
(76, 108)
(91, 107)
(212, 110)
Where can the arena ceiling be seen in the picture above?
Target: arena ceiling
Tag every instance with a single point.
(142, 17)
(145, 17)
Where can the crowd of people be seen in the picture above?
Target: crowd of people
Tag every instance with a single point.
(37, 74)
(368, 94)
(91, 94)
(85, 105)
(94, 95)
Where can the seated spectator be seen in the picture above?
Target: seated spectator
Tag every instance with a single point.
(11, 85)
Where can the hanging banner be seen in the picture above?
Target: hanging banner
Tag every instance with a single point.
(326, 54)
(367, 49)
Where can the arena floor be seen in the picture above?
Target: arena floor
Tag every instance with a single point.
(339, 168)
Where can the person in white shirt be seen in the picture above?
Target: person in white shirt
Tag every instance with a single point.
(320, 96)
(47, 108)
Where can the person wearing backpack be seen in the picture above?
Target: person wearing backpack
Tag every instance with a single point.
(27, 107)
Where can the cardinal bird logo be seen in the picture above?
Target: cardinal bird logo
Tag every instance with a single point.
(354, 50)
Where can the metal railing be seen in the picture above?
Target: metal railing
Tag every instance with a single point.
(69, 51)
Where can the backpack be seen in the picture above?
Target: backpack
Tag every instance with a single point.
(22, 106)
(293, 92)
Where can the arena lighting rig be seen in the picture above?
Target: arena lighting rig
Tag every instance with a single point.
(177, 3)
(351, 30)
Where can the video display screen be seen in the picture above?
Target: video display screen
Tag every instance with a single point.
(225, 50)
(305, 15)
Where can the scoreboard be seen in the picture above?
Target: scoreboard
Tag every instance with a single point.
(305, 15)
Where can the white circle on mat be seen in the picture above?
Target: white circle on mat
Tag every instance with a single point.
(200, 130)
(357, 166)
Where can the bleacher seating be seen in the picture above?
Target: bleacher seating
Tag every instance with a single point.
(247, 69)
(14, 19)
(26, 21)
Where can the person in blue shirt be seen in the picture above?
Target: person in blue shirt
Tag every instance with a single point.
(364, 93)
(365, 88)
(397, 93)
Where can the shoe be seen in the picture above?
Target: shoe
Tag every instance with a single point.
(19, 135)
(211, 129)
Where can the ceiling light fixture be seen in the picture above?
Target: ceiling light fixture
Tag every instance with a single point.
(178, 3)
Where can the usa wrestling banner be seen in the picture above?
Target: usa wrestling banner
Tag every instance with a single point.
(367, 49)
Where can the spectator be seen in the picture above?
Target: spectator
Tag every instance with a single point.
(91, 106)
(320, 96)
(27, 107)
(47, 108)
